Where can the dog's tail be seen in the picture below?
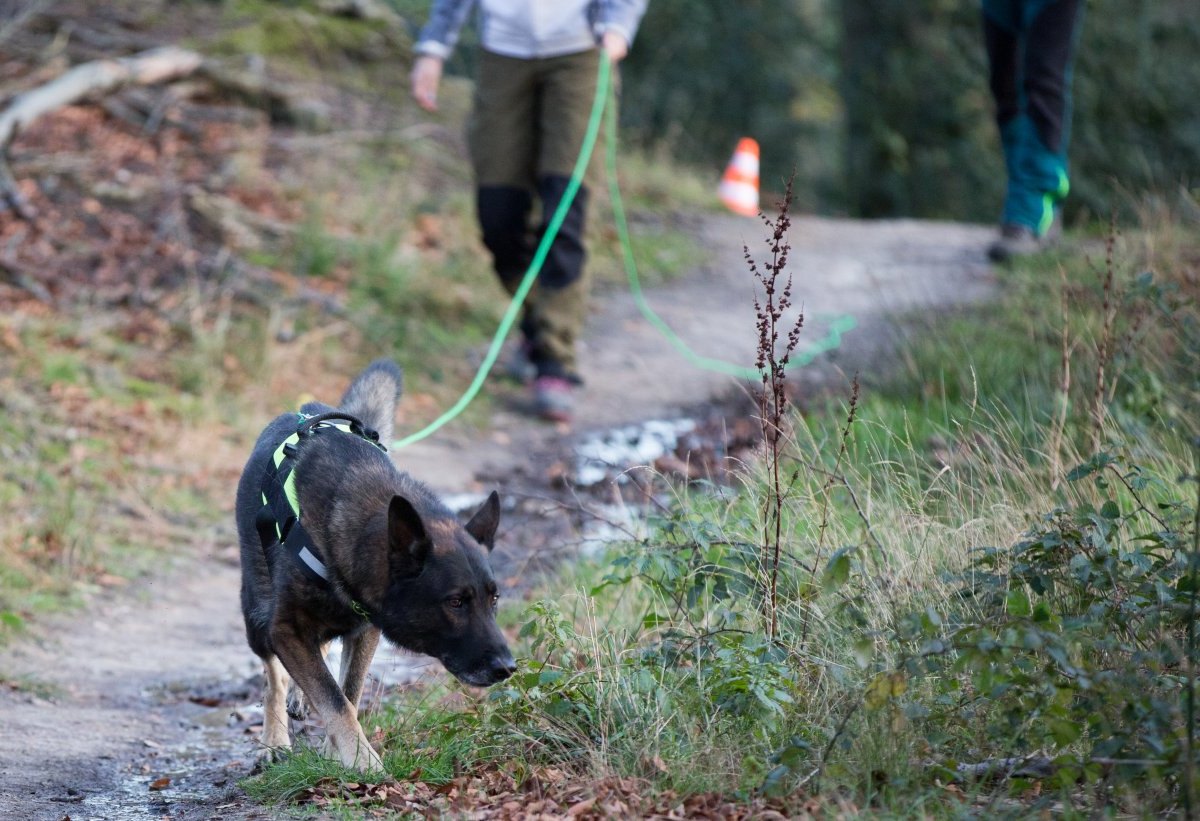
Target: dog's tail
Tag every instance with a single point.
(373, 395)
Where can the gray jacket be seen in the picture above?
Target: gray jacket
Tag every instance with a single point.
(530, 28)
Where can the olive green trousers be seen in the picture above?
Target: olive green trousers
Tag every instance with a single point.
(525, 134)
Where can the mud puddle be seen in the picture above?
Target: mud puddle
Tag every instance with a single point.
(190, 767)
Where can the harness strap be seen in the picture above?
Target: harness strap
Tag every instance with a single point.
(278, 520)
(298, 545)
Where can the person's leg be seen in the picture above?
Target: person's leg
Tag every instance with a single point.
(568, 90)
(1049, 45)
(1001, 29)
(560, 297)
(1002, 34)
(503, 147)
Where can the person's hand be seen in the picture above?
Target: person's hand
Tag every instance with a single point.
(426, 77)
(614, 46)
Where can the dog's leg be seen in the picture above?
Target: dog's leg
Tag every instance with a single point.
(357, 651)
(275, 720)
(344, 737)
(297, 707)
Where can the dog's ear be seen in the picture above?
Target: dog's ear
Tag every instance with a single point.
(483, 524)
(407, 543)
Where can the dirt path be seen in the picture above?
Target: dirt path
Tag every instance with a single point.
(111, 711)
(868, 271)
(156, 682)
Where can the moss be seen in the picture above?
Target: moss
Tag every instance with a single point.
(64, 368)
(308, 40)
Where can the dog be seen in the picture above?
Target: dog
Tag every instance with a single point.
(336, 542)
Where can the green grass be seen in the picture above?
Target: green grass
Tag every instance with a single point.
(87, 419)
(33, 686)
(421, 739)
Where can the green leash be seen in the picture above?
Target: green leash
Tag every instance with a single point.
(832, 340)
(606, 99)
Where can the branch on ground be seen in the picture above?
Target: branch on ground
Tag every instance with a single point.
(97, 77)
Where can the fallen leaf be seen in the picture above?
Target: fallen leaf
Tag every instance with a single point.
(429, 231)
(581, 807)
(558, 473)
(160, 784)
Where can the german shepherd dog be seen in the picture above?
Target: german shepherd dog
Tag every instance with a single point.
(388, 558)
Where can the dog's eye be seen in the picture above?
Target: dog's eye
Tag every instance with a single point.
(455, 602)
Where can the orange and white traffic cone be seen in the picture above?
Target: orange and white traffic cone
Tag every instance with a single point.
(739, 185)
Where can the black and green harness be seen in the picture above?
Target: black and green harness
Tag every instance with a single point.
(278, 522)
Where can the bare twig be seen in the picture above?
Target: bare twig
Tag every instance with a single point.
(835, 474)
(1030, 766)
(19, 18)
(858, 508)
(24, 281)
(837, 733)
(1104, 352)
(10, 195)
(830, 480)
(1137, 498)
(1039, 766)
(1189, 785)
(1064, 387)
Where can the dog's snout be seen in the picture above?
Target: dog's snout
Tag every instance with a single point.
(503, 666)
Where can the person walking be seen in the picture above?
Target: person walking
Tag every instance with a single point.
(1030, 45)
(536, 81)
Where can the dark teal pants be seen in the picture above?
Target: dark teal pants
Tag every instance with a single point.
(1030, 45)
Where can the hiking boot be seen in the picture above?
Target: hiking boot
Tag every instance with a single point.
(1017, 241)
(518, 365)
(554, 398)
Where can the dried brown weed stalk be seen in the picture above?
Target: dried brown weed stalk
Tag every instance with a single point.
(777, 340)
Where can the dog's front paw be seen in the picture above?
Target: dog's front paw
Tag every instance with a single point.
(356, 753)
(369, 763)
(268, 756)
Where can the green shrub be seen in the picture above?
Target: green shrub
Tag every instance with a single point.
(1073, 647)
